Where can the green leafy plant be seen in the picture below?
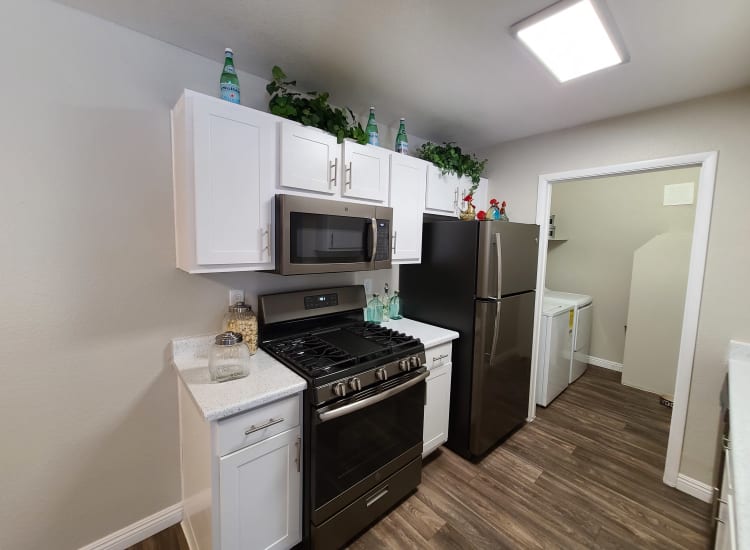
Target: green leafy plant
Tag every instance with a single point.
(450, 159)
(312, 109)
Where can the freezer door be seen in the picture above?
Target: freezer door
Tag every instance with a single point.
(501, 369)
(507, 258)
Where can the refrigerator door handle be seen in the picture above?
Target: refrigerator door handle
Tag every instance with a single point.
(495, 333)
(499, 267)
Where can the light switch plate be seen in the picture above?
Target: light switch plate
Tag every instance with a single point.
(236, 295)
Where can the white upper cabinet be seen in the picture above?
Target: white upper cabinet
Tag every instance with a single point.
(310, 159)
(224, 178)
(365, 174)
(442, 192)
(408, 181)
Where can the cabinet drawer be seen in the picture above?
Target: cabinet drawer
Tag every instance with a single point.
(256, 425)
(439, 355)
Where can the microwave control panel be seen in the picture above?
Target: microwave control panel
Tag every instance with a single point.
(383, 247)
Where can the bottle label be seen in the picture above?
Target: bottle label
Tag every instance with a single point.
(372, 138)
(402, 147)
(230, 92)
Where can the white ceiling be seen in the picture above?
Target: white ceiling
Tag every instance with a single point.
(451, 67)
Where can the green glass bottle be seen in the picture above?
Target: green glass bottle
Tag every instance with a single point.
(372, 129)
(394, 306)
(229, 84)
(402, 143)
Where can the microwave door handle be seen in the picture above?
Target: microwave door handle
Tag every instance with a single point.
(374, 229)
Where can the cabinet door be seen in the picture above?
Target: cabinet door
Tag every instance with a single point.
(260, 494)
(365, 172)
(310, 159)
(442, 192)
(408, 180)
(234, 162)
(436, 410)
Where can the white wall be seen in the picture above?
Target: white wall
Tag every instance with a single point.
(89, 292)
(718, 122)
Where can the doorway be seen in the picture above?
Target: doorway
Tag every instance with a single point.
(703, 203)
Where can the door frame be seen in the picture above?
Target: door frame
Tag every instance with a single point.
(704, 202)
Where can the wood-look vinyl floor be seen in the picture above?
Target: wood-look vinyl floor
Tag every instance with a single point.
(587, 473)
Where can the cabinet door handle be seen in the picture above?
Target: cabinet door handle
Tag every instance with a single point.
(349, 179)
(297, 460)
(271, 422)
(395, 235)
(335, 166)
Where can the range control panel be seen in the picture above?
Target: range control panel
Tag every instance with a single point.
(321, 300)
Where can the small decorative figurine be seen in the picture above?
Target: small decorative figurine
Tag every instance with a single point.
(493, 212)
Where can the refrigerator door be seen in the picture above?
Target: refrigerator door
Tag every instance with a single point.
(507, 258)
(501, 370)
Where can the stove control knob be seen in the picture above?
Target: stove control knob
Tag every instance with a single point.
(339, 389)
(414, 362)
(381, 374)
(403, 365)
(355, 384)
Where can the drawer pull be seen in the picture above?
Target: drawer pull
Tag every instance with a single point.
(440, 358)
(271, 422)
(380, 494)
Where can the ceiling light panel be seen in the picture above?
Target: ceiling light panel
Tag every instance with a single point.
(571, 39)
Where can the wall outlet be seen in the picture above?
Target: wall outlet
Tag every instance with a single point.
(235, 296)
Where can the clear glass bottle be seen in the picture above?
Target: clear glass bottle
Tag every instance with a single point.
(394, 307)
(241, 318)
(386, 303)
(229, 83)
(229, 358)
(372, 129)
(402, 142)
(375, 309)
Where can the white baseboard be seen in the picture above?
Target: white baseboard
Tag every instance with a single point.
(139, 531)
(604, 363)
(694, 488)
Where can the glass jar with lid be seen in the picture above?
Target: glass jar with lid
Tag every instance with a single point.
(241, 318)
(229, 358)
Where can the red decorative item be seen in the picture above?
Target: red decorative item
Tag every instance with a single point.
(468, 198)
(493, 202)
(481, 215)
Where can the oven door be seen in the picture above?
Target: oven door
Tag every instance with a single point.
(325, 236)
(359, 442)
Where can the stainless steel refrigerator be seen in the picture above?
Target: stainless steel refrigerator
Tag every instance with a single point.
(479, 279)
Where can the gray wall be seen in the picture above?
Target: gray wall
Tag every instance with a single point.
(90, 295)
(604, 221)
(718, 122)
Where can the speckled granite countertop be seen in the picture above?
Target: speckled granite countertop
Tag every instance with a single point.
(739, 436)
(268, 381)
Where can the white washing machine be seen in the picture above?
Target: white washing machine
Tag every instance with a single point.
(556, 339)
(583, 306)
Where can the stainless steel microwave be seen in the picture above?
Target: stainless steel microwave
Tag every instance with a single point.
(328, 236)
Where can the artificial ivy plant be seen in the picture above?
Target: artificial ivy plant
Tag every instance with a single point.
(312, 109)
(449, 158)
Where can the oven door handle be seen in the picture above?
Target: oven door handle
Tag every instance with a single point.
(359, 405)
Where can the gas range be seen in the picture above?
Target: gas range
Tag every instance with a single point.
(363, 413)
(349, 358)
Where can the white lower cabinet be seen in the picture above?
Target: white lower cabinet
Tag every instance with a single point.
(259, 494)
(241, 476)
(726, 530)
(437, 408)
